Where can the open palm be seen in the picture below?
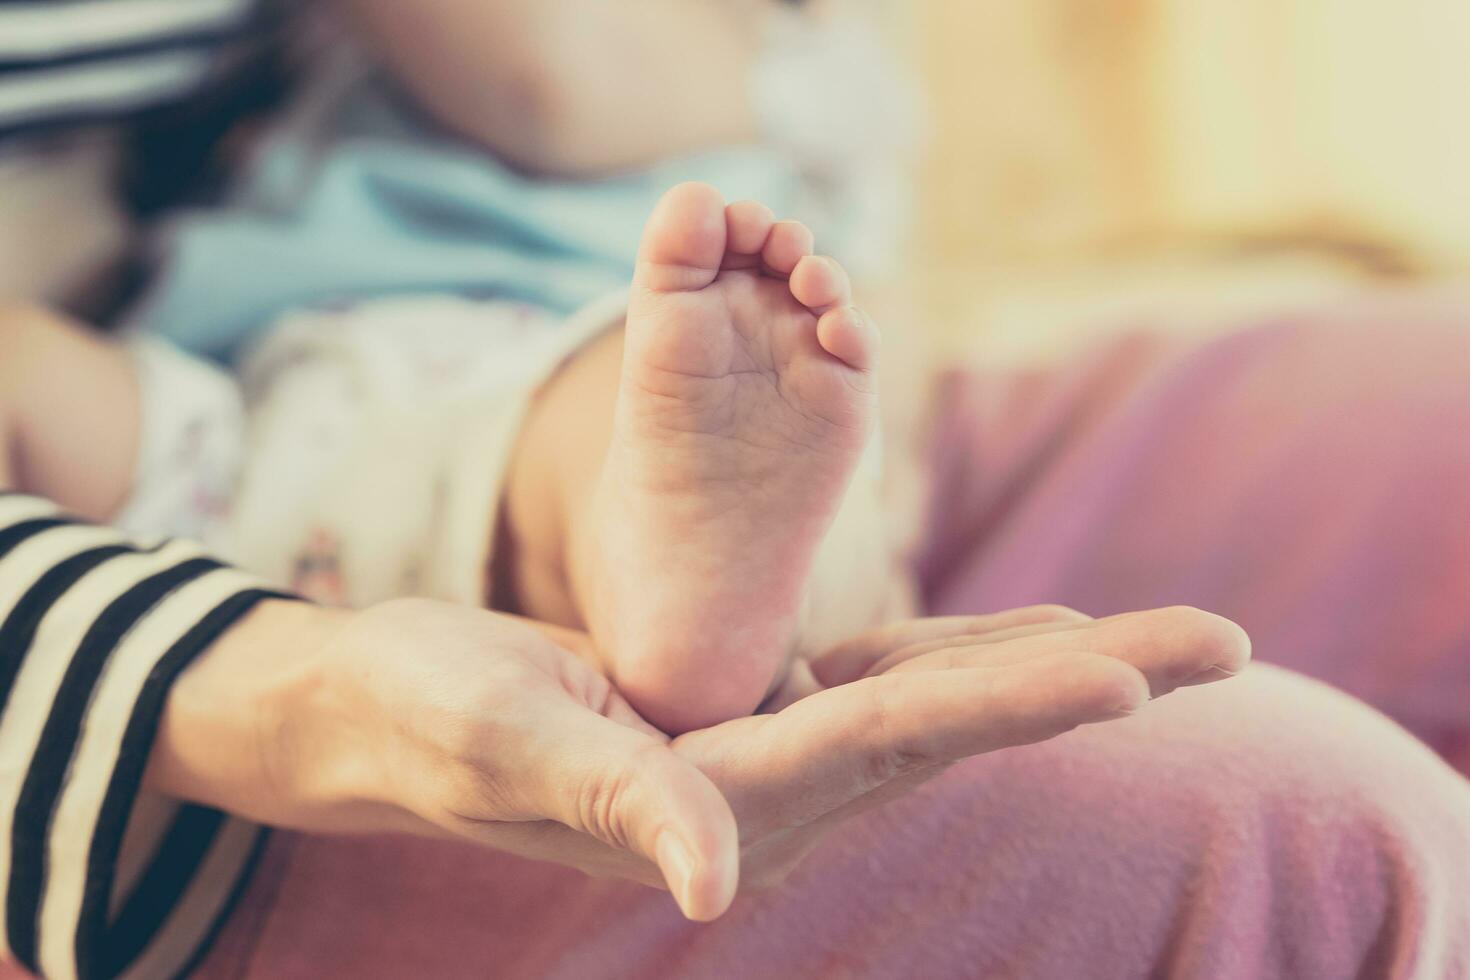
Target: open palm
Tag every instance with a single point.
(869, 721)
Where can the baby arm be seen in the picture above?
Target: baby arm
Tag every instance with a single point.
(69, 412)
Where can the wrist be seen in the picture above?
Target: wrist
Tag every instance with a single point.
(229, 734)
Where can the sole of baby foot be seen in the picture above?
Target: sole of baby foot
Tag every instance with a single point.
(747, 396)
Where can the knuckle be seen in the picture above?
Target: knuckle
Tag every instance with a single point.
(888, 756)
(596, 810)
(604, 805)
(880, 767)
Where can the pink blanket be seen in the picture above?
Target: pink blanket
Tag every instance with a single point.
(1310, 479)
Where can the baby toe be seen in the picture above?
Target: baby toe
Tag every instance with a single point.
(848, 335)
(820, 283)
(789, 243)
(747, 226)
(684, 240)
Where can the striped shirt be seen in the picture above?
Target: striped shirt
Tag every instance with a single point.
(98, 878)
(65, 62)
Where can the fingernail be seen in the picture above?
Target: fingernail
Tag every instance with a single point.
(1208, 676)
(676, 862)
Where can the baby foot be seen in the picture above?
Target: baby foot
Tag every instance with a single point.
(746, 398)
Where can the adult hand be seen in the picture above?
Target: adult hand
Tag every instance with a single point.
(438, 719)
(881, 714)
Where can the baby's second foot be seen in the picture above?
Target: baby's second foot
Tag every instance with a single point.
(746, 398)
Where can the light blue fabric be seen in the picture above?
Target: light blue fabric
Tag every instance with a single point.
(370, 203)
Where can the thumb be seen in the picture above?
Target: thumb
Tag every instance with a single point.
(628, 789)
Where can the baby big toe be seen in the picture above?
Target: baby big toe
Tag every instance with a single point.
(684, 241)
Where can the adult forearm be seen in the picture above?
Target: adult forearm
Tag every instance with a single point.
(214, 743)
(94, 630)
(573, 86)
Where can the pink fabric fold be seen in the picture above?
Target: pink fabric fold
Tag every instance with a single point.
(1309, 478)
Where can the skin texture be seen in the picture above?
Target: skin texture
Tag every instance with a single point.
(746, 398)
(441, 720)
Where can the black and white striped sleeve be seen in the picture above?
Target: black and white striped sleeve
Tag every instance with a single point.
(64, 63)
(98, 878)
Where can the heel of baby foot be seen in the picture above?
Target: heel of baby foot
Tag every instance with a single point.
(678, 692)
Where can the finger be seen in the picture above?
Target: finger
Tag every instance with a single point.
(843, 743)
(1174, 647)
(855, 658)
(629, 790)
(949, 649)
(993, 650)
(820, 284)
(1171, 647)
(1063, 622)
(789, 243)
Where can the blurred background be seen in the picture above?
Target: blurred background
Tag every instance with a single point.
(1089, 166)
(1182, 162)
